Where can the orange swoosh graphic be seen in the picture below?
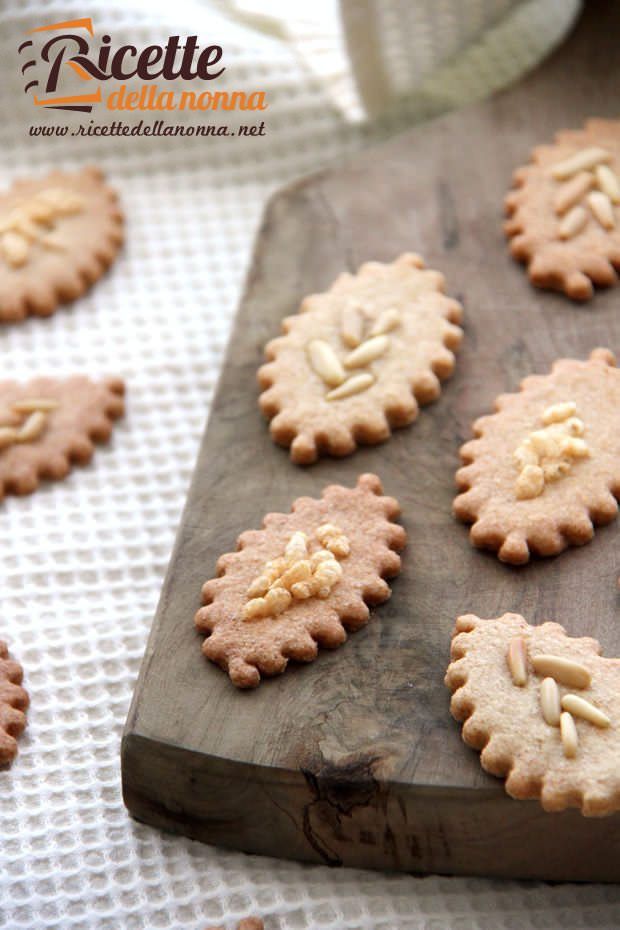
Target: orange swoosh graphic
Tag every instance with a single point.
(85, 23)
(79, 70)
(80, 98)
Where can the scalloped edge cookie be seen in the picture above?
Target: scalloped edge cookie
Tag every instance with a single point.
(357, 360)
(58, 235)
(569, 506)
(564, 220)
(14, 702)
(247, 646)
(543, 709)
(65, 416)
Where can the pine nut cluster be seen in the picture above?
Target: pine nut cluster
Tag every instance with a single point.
(33, 220)
(588, 178)
(364, 349)
(558, 710)
(298, 574)
(34, 412)
(548, 454)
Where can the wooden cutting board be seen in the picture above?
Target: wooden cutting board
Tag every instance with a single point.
(354, 759)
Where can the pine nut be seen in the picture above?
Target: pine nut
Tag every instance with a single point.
(33, 427)
(352, 326)
(22, 225)
(325, 362)
(386, 322)
(553, 471)
(8, 436)
(255, 609)
(61, 200)
(259, 587)
(579, 707)
(573, 223)
(327, 531)
(525, 454)
(297, 547)
(31, 404)
(563, 670)
(550, 702)
(15, 248)
(602, 209)
(367, 352)
(568, 732)
(339, 546)
(584, 160)
(354, 385)
(321, 555)
(277, 600)
(608, 182)
(574, 447)
(302, 590)
(299, 571)
(556, 413)
(530, 483)
(517, 660)
(572, 192)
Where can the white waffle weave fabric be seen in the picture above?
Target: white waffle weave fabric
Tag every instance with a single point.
(82, 560)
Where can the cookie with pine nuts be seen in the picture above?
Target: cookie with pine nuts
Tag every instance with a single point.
(301, 582)
(542, 707)
(58, 234)
(13, 704)
(545, 468)
(564, 215)
(359, 359)
(47, 424)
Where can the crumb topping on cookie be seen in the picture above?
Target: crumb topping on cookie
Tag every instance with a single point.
(327, 561)
(299, 573)
(543, 469)
(548, 454)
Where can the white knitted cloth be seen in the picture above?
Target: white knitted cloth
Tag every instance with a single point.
(83, 560)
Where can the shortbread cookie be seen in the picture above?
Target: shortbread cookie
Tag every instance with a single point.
(13, 703)
(300, 581)
(58, 234)
(546, 466)
(565, 214)
(543, 707)
(48, 423)
(358, 359)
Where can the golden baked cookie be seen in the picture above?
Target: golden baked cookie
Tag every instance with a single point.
(357, 360)
(47, 424)
(301, 581)
(545, 468)
(564, 216)
(58, 234)
(542, 707)
(13, 703)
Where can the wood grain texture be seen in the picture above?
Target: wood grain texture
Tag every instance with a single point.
(355, 759)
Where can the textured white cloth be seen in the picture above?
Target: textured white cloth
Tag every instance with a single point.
(82, 560)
